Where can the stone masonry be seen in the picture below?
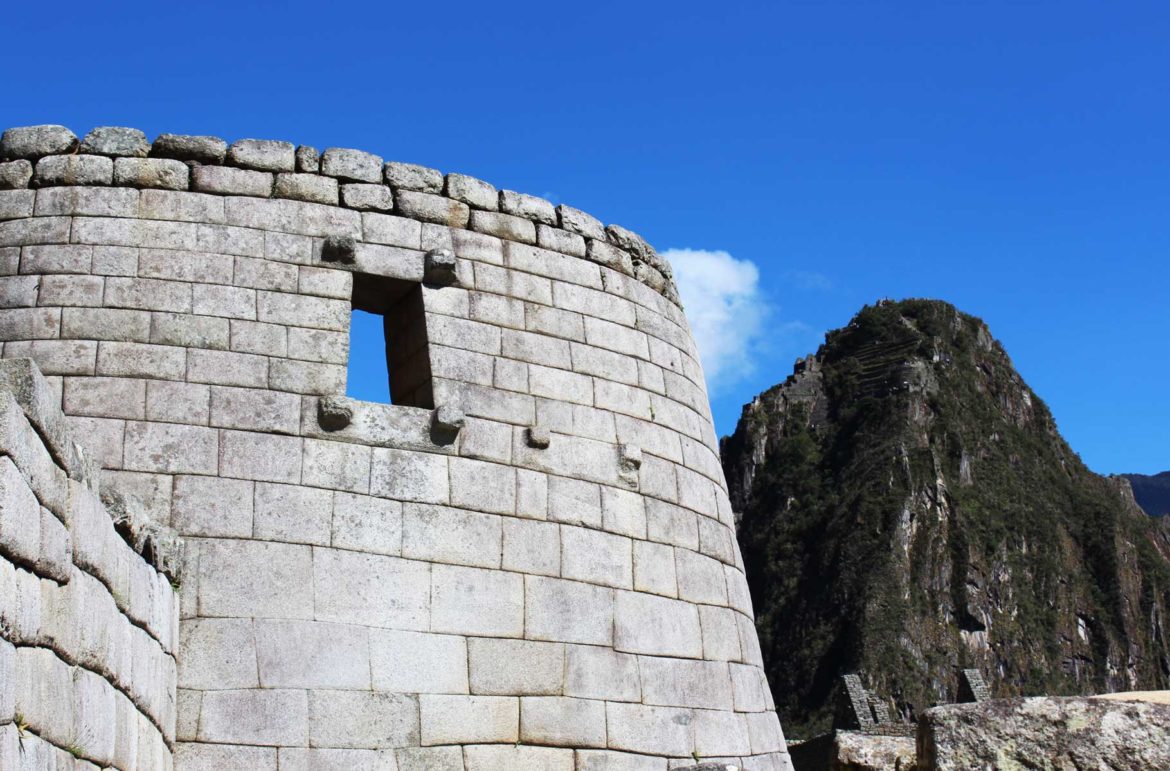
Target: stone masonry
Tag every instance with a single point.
(527, 561)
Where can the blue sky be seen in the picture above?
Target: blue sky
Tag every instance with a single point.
(1008, 157)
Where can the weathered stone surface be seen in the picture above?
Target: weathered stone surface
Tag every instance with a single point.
(432, 208)
(367, 197)
(74, 170)
(160, 173)
(182, 147)
(116, 141)
(351, 165)
(225, 180)
(527, 206)
(35, 141)
(410, 176)
(306, 187)
(474, 192)
(15, 174)
(1045, 733)
(440, 267)
(262, 154)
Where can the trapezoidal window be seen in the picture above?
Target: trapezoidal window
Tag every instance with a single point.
(388, 357)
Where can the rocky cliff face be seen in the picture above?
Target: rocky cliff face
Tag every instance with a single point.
(1152, 492)
(908, 508)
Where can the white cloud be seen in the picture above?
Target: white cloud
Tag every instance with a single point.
(726, 311)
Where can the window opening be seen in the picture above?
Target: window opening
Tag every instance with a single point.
(388, 356)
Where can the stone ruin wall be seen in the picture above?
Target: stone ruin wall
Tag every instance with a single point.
(554, 583)
(88, 626)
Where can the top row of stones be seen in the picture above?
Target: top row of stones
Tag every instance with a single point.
(30, 143)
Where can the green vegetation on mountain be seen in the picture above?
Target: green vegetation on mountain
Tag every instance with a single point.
(909, 509)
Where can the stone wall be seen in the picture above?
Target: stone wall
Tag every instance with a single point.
(541, 572)
(88, 627)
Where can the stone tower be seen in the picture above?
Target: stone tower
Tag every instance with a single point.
(525, 561)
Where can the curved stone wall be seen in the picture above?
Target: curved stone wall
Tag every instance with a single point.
(540, 572)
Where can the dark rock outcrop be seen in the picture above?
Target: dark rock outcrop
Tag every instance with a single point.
(909, 509)
(1152, 492)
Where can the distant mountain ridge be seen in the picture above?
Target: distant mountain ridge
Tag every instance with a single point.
(1152, 492)
(908, 508)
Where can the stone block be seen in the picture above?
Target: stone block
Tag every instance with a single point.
(489, 757)
(20, 516)
(312, 654)
(217, 653)
(542, 262)
(557, 610)
(15, 175)
(562, 721)
(262, 154)
(531, 494)
(596, 557)
(225, 180)
(16, 204)
(574, 502)
(367, 197)
(84, 201)
(55, 170)
(333, 759)
(259, 717)
(654, 569)
(721, 733)
(610, 256)
(532, 547)
(306, 187)
(658, 626)
(667, 523)
(201, 149)
(765, 733)
(515, 667)
(720, 633)
(336, 465)
(308, 159)
(471, 191)
(56, 290)
(463, 334)
(451, 536)
(527, 206)
(430, 759)
(685, 683)
(293, 514)
(577, 221)
(265, 458)
(44, 693)
(265, 274)
(306, 377)
(700, 578)
(448, 719)
(148, 294)
(224, 301)
(55, 557)
(93, 717)
(178, 402)
(246, 408)
(7, 679)
(504, 226)
(409, 476)
(605, 760)
(346, 718)
(650, 730)
(257, 337)
(367, 524)
(476, 602)
(292, 217)
(410, 176)
(35, 141)
(536, 349)
(298, 310)
(170, 448)
(556, 240)
(749, 688)
(116, 141)
(427, 207)
(414, 662)
(598, 672)
(253, 578)
(373, 590)
(41, 230)
(351, 165)
(480, 485)
(190, 756)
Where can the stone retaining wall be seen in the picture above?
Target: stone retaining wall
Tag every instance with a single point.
(88, 627)
(540, 572)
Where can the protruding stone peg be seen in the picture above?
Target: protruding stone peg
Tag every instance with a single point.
(439, 268)
(446, 423)
(538, 437)
(334, 413)
(339, 249)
